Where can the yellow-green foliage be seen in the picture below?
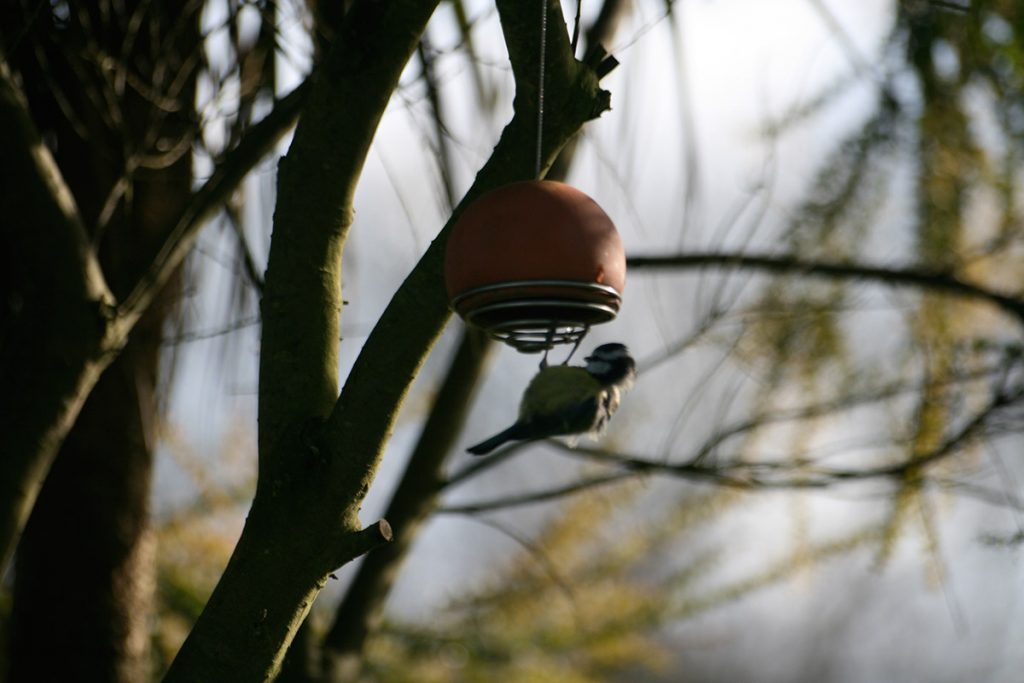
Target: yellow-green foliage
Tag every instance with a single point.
(573, 606)
(195, 540)
(579, 606)
(960, 141)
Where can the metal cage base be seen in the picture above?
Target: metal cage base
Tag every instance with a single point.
(536, 315)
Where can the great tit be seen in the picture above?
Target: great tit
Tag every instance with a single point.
(563, 400)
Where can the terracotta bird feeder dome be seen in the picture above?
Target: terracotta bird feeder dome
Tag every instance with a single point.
(535, 264)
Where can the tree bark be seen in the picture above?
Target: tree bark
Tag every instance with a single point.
(361, 609)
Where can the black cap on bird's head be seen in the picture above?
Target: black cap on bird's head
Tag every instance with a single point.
(609, 352)
(612, 364)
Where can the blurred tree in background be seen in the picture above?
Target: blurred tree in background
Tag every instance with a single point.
(866, 338)
(112, 94)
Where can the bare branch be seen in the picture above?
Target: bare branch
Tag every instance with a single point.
(918, 462)
(894, 276)
(480, 465)
(258, 141)
(362, 542)
(543, 496)
(252, 271)
(444, 163)
(766, 475)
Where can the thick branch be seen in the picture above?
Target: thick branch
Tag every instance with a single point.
(934, 280)
(298, 530)
(416, 496)
(316, 185)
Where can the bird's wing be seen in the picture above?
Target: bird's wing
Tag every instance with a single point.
(576, 418)
(563, 396)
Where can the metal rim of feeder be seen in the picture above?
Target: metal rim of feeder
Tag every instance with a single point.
(527, 340)
(531, 316)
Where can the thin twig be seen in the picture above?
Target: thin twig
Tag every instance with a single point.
(533, 498)
(237, 163)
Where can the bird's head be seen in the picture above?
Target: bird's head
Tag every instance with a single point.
(612, 364)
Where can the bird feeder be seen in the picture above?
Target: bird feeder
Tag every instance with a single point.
(535, 264)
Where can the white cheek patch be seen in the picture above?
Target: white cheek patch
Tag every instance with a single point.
(598, 367)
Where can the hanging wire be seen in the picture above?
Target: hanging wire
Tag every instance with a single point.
(576, 27)
(540, 85)
(527, 340)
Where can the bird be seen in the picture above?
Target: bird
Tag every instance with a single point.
(570, 399)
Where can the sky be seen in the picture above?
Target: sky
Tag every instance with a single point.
(743, 64)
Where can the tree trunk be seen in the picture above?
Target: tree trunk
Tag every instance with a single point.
(84, 567)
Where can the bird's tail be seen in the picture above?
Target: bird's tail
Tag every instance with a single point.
(488, 445)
